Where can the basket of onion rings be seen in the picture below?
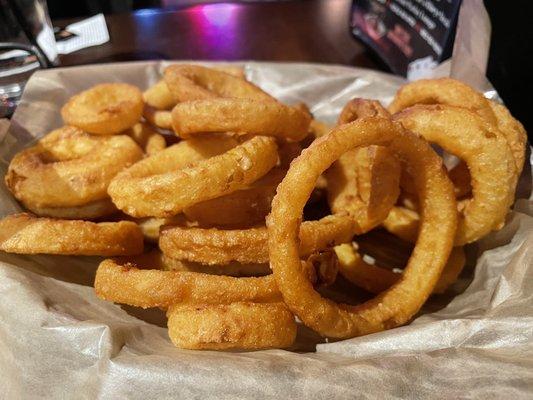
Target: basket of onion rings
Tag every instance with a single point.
(246, 218)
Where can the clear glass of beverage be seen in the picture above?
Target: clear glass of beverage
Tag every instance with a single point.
(27, 43)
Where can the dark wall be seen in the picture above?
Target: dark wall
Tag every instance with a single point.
(510, 67)
(81, 8)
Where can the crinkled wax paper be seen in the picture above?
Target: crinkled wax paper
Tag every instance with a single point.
(57, 340)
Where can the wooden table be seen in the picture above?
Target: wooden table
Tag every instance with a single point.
(299, 30)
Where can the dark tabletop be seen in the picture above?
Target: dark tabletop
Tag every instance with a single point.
(314, 31)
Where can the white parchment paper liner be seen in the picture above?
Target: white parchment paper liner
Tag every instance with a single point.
(57, 340)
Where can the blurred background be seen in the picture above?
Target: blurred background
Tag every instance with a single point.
(326, 31)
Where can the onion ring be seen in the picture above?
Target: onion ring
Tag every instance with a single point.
(94, 210)
(104, 109)
(375, 279)
(232, 269)
(464, 134)
(69, 168)
(402, 222)
(150, 226)
(27, 234)
(444, 91)
(316, 128)
(243, 208)
(451, 92)
(325, 265)
(240, 116)
(364, 182)
(160, 118)
(177, 157)
(249, 326)
(155, 259)
(155, 288)
(514, 132)
(459, 175)
(321, 268)
(159, 97)
(140, 192)
(147, 138)
(214, 101)
(451, 271)
(216, 246)
(184, 154)
(438, 215)
(359, 108)
(194, 82)
(232, 70)
(369, 277)
(319, 128)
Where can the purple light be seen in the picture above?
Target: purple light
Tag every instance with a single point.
(217, 27)
(219, 15)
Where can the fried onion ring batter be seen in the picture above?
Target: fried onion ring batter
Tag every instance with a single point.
(155, 288)
(159, 97)
(27, 234)
(104, 109)
(447, 91)
(246, 326)
(375, 279)
(402, 222)
(146, 137)
(217, 246)
(442, 91)
(94, 210)
(514, 132)
(438, 223)
(241, 116)
(163, 189)
(364, 182)
(69, 168)
(159, 118)
(194, 82)
(464, 134)
(243, 208)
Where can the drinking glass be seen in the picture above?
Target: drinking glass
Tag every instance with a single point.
(27, 43)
